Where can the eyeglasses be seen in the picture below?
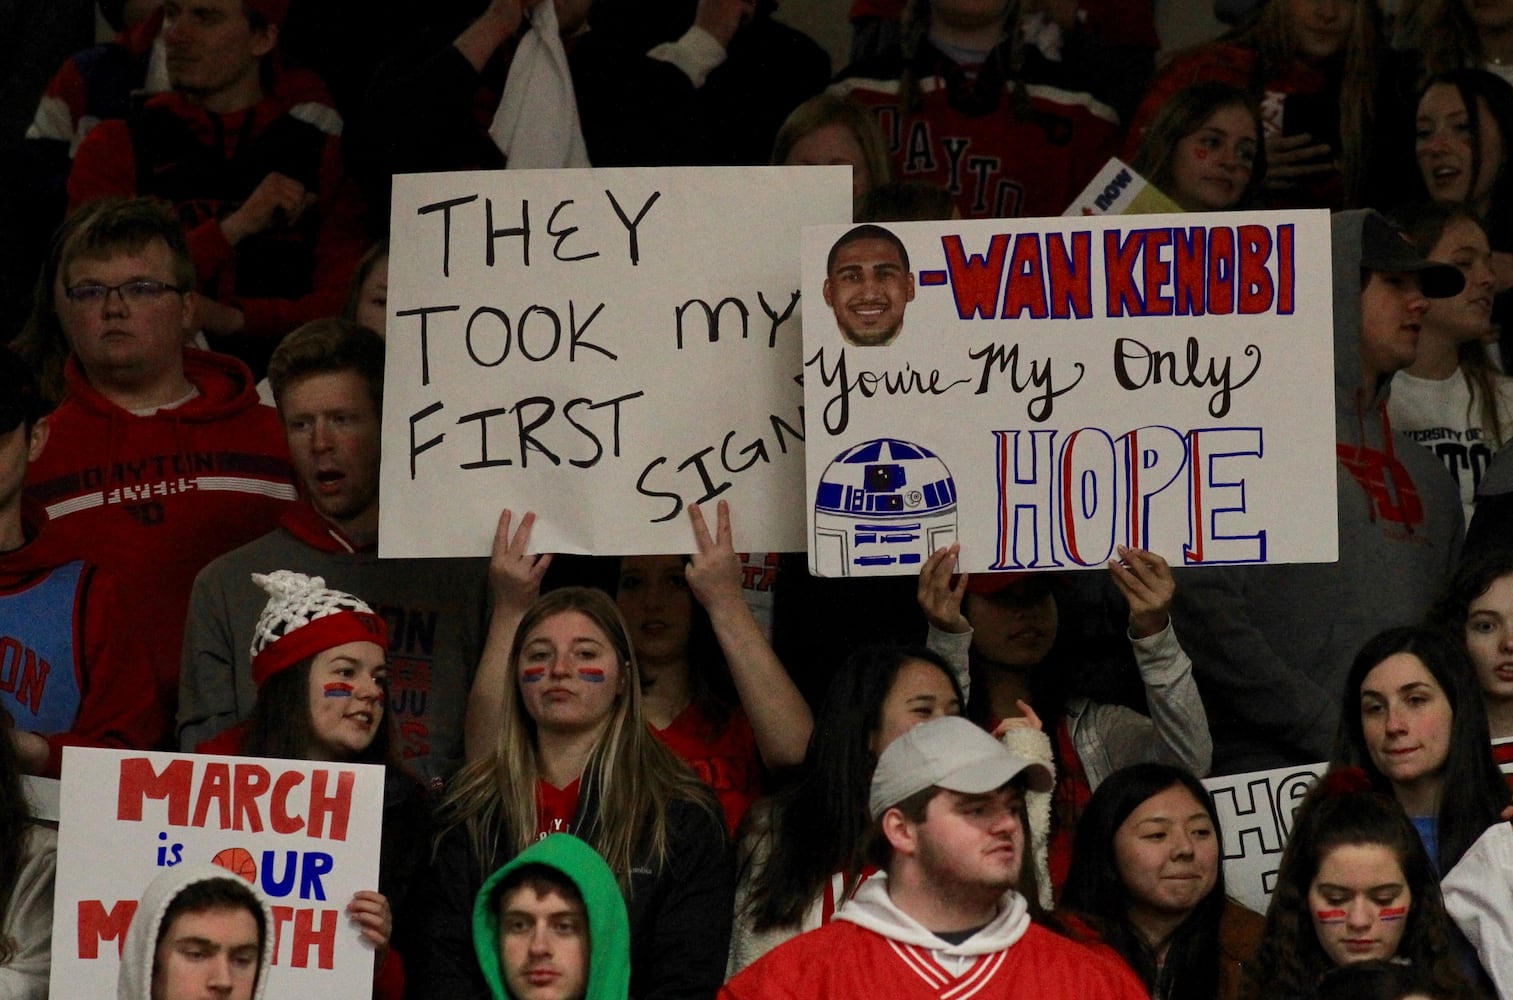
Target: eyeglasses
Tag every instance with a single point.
(133, 292)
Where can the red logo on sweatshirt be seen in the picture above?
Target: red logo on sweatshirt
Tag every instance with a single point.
(1387, 483)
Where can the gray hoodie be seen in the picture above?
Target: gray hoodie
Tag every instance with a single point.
(1271, 644)
(135, 979)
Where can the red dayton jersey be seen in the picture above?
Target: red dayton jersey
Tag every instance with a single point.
(1001, 155)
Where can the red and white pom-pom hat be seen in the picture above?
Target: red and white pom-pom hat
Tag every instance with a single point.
(304, 617)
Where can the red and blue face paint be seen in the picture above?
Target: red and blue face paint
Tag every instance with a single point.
(593, 675)
(1392, 913)
(1329, 916)
(531, 675)
(338, 689)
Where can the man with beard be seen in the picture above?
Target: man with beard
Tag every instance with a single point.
(943, 917)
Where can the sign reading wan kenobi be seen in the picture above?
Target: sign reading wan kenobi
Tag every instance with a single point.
(1045, 390)
(603, 347)
(305, 834)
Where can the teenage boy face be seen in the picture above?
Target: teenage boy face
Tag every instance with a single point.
(543, 946)
(1392, 313)
(207, 955)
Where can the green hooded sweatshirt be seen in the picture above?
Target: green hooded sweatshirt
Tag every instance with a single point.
(608, 925)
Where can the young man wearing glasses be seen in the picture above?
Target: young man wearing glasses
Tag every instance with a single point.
(161, 457)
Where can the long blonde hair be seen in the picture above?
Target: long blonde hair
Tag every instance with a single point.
(630, 778)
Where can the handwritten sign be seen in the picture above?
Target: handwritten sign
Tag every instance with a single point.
(1255, 812)
(601, 346)
(1043, 390)
(306, 834)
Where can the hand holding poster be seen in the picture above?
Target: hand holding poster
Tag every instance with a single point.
(305, 834)
(1044, 390)
(603, 347)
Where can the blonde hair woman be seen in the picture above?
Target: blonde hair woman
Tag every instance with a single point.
(574, 755)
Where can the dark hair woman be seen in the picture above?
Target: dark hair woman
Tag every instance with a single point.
(1147, 872)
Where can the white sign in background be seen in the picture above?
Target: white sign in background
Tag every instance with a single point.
(1255, 812)
(1062, 386)
(603, 347)
(307, 833)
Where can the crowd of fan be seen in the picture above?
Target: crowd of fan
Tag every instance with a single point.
(193, 279)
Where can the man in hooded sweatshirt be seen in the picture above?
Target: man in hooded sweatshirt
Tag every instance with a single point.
(199, 931)
(1271, 645)
(551, 925)
(160, 457)
(943, 918)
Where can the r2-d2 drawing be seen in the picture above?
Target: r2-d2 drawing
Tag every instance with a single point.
(880, 505)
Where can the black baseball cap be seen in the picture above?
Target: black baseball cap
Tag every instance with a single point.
(20, 400)
(1384, 247)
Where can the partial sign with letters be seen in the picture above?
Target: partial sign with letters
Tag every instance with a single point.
(306, 834)
(1255, 812)
(603, 347)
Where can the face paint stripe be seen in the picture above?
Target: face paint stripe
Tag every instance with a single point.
(1329, 916)
(338, 690)
(1393, 912)
(594, 675)
(532, 674)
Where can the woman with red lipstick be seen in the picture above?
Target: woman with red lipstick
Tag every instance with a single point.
(1147, 873)
(1413, 721)
(1451, 399)
(1354, 885)
(320, 660)
(1203, 149)
(573, 753)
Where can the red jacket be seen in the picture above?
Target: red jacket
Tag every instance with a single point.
(152, 499)
(72, 674)
(208, 164)
(844, 960)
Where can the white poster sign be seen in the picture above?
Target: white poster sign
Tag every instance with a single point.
(603, 347)
(1044, 390)
(1255, 813)
(306, 834)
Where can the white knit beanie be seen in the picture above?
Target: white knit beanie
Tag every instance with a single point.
(304, 617)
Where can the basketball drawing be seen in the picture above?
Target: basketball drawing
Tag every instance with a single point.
(238, 861)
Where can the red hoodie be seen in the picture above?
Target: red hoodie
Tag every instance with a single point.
(207, 165)
(152, 499)
(70, 673)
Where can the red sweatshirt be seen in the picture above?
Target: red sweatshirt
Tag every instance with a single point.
(152, 499)
(207, 165)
